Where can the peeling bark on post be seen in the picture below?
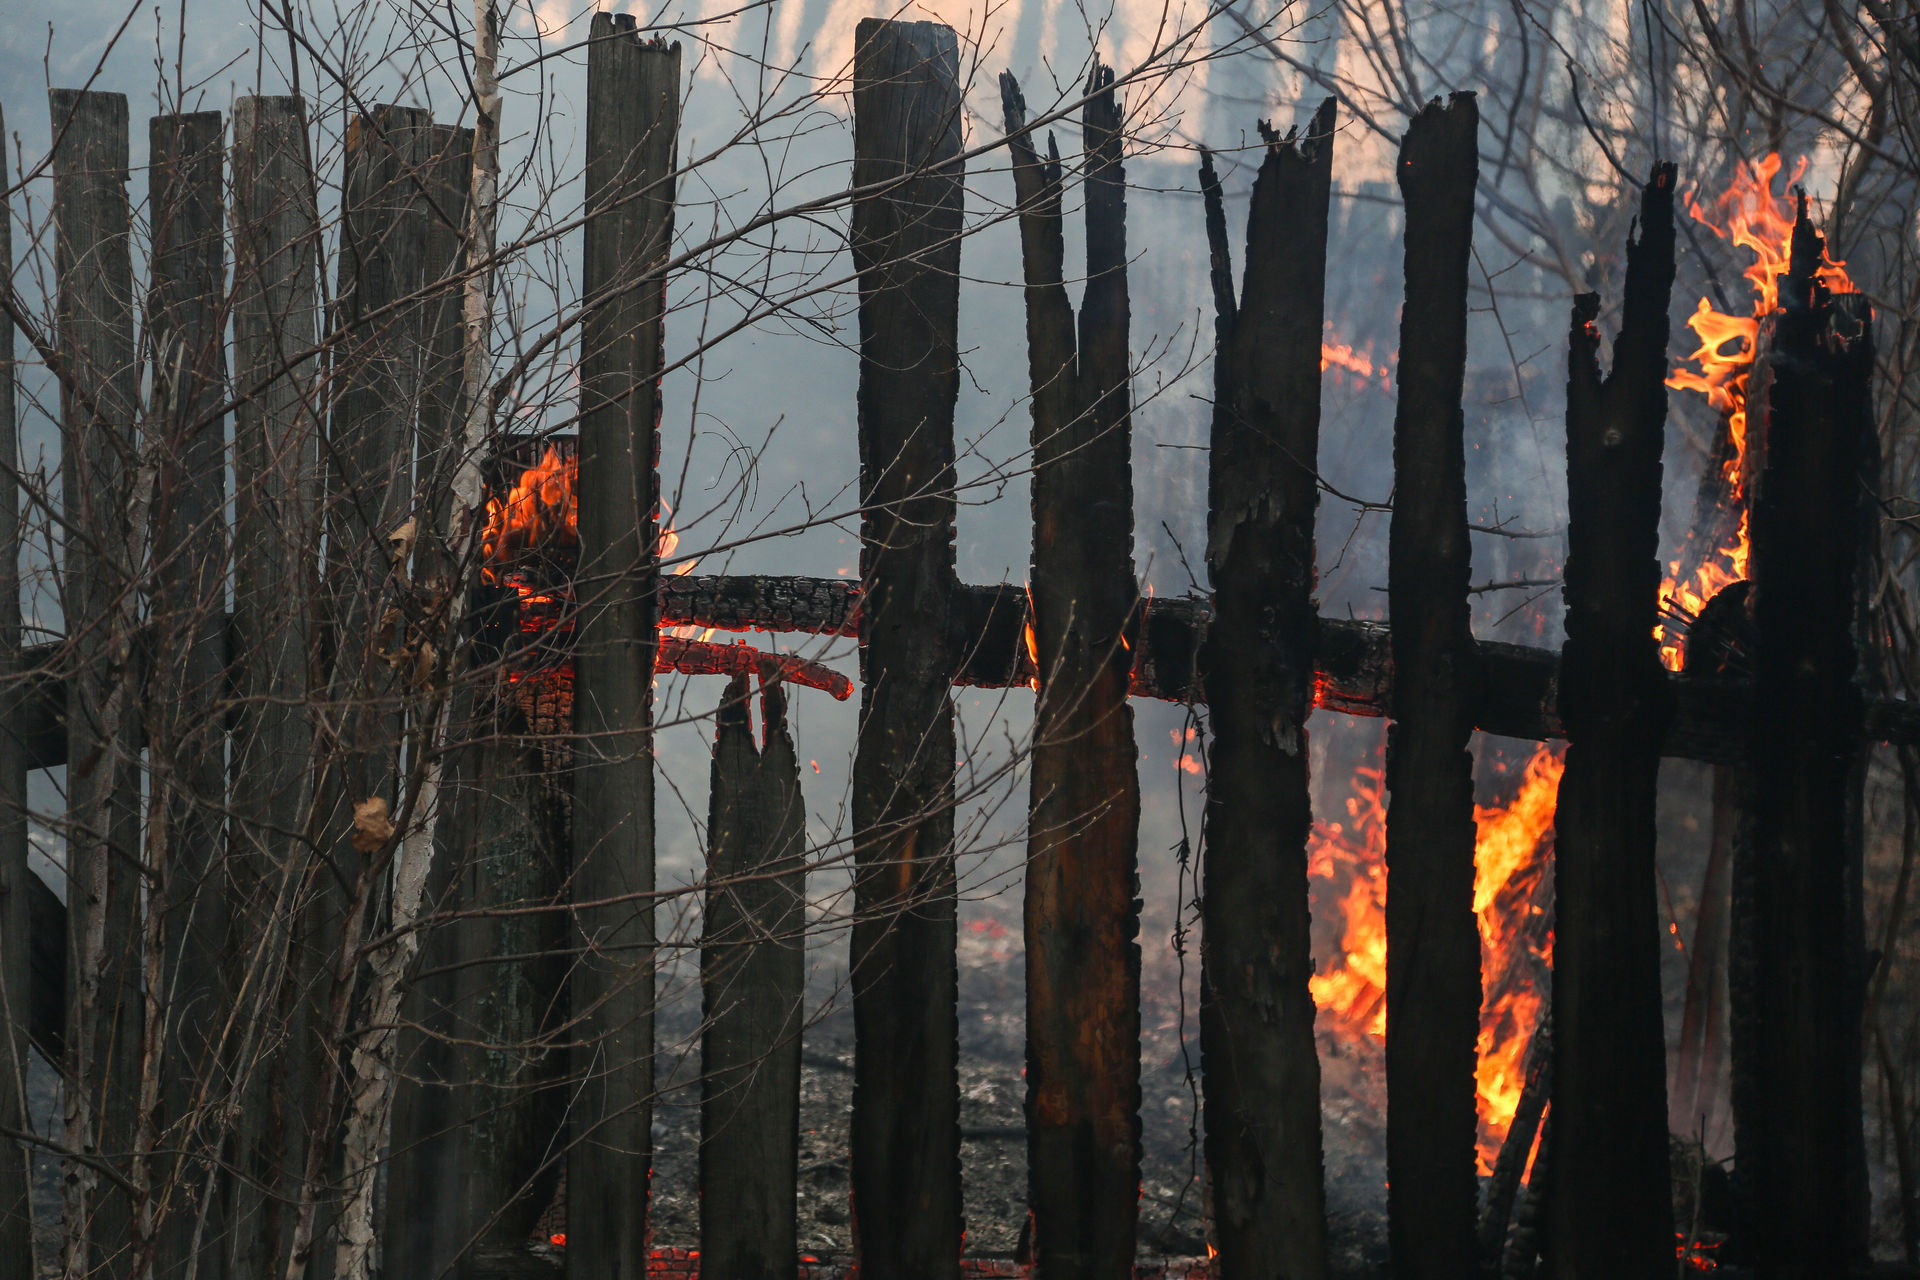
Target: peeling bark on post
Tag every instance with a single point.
(1797, 1103)
(906, 247)
(1083, 963)
(186, 732)
(99, 393)
(752, 975)
(16, 892)
(1613, 1212)
(1262, 1072)
(1433, 942)
(276, 251)
(633, 97)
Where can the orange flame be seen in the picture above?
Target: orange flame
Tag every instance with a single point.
(1345, 359)
(1507, 861)
(539, 510)
(1752, 215)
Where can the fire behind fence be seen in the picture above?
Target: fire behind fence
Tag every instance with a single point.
(1449, 970)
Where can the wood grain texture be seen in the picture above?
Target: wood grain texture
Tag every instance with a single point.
(752, 985)
(1262, 1072)
(906, 248)
(1433, 942)
(633, 97)
(1612, 1214)
(1082, 921)
(276, 261)
(187, 668)
(99, 396)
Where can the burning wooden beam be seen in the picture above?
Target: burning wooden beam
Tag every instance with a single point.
(1262, 1071)
(1433, 943)
(633, 120)
(1083, 965)
(906, 247)
(752, 979)
(1796, 1023)
(1612, 1206)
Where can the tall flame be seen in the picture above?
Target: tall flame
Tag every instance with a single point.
(1508, 864)
(1752, 215)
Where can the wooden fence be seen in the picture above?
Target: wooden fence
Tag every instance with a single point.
(473, 1155)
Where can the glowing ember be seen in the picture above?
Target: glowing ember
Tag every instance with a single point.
(1752, 215)
(1509, 864)
(1345, 359)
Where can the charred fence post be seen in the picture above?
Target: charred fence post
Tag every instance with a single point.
(1612, 1214)
(186, 732)
(1262, 1076)
(1797, 1090)
(752, 977)
(276, 259)
(1433, 942)
(16, 897)
(99, 394)
(633, 124)
(1083, 964)
(906, 247)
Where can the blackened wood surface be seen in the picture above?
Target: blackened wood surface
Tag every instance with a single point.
(187, 677)
(448, 175)
(1262, 1074)
(99, 392)
(1433, 943)
(16, 883)
(1082, 960)
(276, 260)
(752, 979)
(1510, 1166)
(906, 247)
(633, 97)
(1798, 1095)
(1614, 1214)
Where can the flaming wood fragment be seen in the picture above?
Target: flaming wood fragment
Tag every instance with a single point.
(1262, 1071)
(1613, 1206)
(702, 658)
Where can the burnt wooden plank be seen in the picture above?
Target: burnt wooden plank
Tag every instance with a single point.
(906, 248)
(1433, 943)
(752, 977)
(187, 666)
(99, 394)
(446, 180)
(1262, 1073)
(18, 982)
(1082, 960)
(1797, 1091)
(633, 98)
(1613, 1215)
(276, 263)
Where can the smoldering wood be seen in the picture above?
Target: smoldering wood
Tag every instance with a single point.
(1796, 1008)
(752, 984)
(187, 663)
(21, 936)
(1261, 1069)
(276, 251)
(1353, 664)
(1082, 960)
(1613, 1215)
(633, 96)
(1510, 1166)
(906, 249)
(99, 398)
(1433, 943)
